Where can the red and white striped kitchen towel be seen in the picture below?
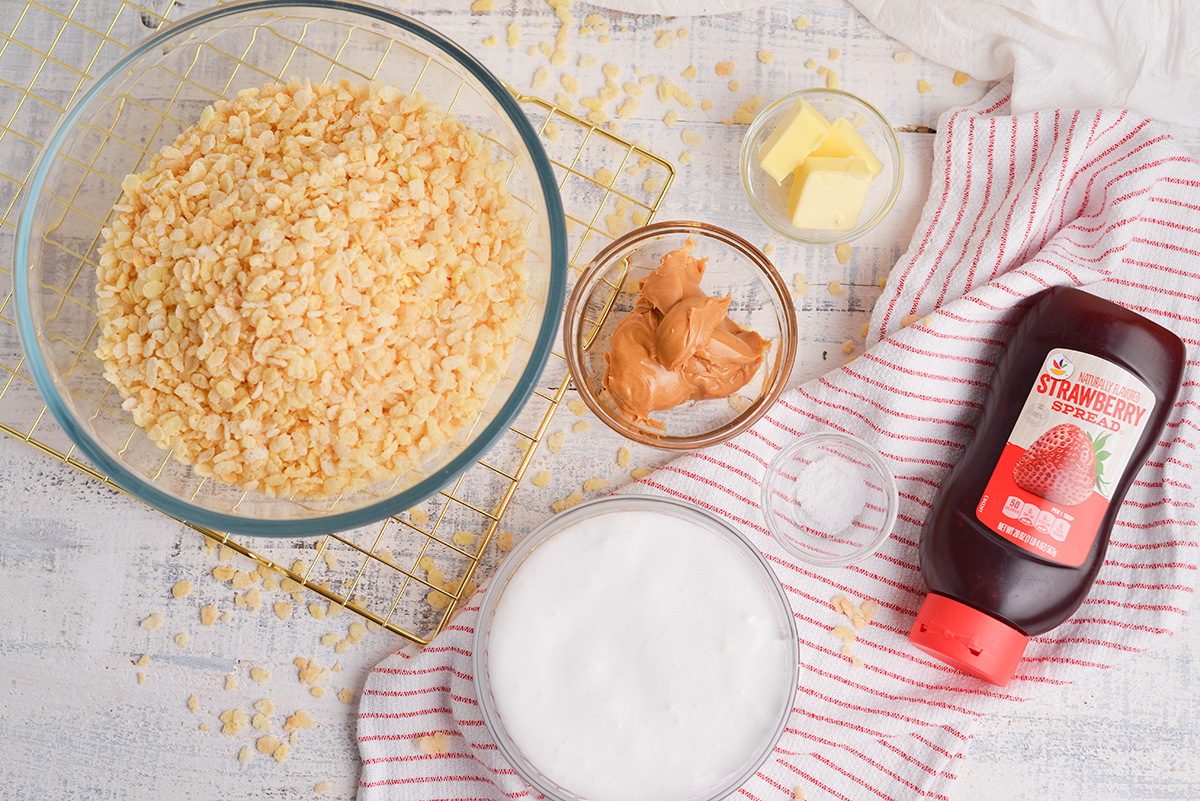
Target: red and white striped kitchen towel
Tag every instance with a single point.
(1101, 199)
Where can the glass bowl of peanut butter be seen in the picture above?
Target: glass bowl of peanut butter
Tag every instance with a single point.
(680, 335)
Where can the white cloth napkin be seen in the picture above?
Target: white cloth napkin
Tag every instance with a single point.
(1143, 56)
(1099, 199)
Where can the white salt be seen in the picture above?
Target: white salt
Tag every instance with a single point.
(831, 493)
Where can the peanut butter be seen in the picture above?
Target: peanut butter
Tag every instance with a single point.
(677, 344)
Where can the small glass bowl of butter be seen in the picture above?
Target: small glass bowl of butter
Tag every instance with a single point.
(821, 166)
(680, 406)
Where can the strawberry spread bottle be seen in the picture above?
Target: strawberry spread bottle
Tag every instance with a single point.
(1019, 529)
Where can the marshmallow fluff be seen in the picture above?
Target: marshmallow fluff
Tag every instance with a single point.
(637, 655)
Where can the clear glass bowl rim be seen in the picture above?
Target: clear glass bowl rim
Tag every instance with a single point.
(748, 161)
(598, 506)
(573, 346)
(871, 455)
(340, 521)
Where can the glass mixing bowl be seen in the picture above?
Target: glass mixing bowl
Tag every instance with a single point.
(776, 617)
(138, 107)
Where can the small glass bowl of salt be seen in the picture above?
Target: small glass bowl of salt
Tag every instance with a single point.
(829, 499)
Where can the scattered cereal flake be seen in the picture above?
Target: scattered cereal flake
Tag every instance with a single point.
(254, 599)
(542, 478)
(226, 617)
(225, 554)
(246, 754)
(504, 541)
(822, 71)
(868, 609)
(843, 252)
(595, 484)
(463, 539)
(582, 427)
(623, 457)
(483, 6)
(265, 707)
(630, 107)
(903, 57)
(541, 79)
(586, 61)
(706, 104)
(300, 662)
(181, 588)
(260, 722)
(866, 329)
(428, 745)
(800, 284)
(691, 139)
(961, 78)
(835, 288)
(436, 577)
(322, 787)
(832, 81)
(811, 64)
(690, 72)
(648, 80)
(419, 517)
(319, 692)
(235, 721)
(558, 58)
(801, 23)
(290, 585)
(143, 660)
(556, 441)
(356, 631)
(331, 638)
(671, 117)
(317, 611)
(490, 41)
(683, 33)
(260, 675)
(300, 720)
(346, 695)
(685, 100)
(844, 633)
(882, 282)
(283, 611)
(141, 677)
(665, 39)
(567, 502)
(597, 117)
(241, 580)
(611, 71)
(231, 682)
(639, 472)
(267, 744)
(848, 346)
(604, 176)
(514, 34)
(193, 703)
(685, 157)
(908, 320)
(634, 88)
(725, 68)
(615, 224)
(438, 599)
(570, 83)
(740, 403)
(310, 674)
(425, 563)
(746, 111)
(181, 639)
(924, 87)
(578, 407)
(223, 573)
(766, 57)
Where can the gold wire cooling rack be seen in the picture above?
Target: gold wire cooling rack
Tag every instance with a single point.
(49, 54)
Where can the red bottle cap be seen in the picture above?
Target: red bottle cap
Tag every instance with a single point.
(970, 640)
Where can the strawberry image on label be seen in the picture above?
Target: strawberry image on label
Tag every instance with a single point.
(1059, 466)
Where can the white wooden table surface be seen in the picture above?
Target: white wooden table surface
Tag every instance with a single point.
(81, 566)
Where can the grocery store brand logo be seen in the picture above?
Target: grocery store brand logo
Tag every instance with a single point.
(1060, 366)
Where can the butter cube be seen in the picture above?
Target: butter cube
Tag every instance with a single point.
(796, 135)
(828, 193)
(844, 141)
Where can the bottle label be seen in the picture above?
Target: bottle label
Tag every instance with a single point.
(1072, 441)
